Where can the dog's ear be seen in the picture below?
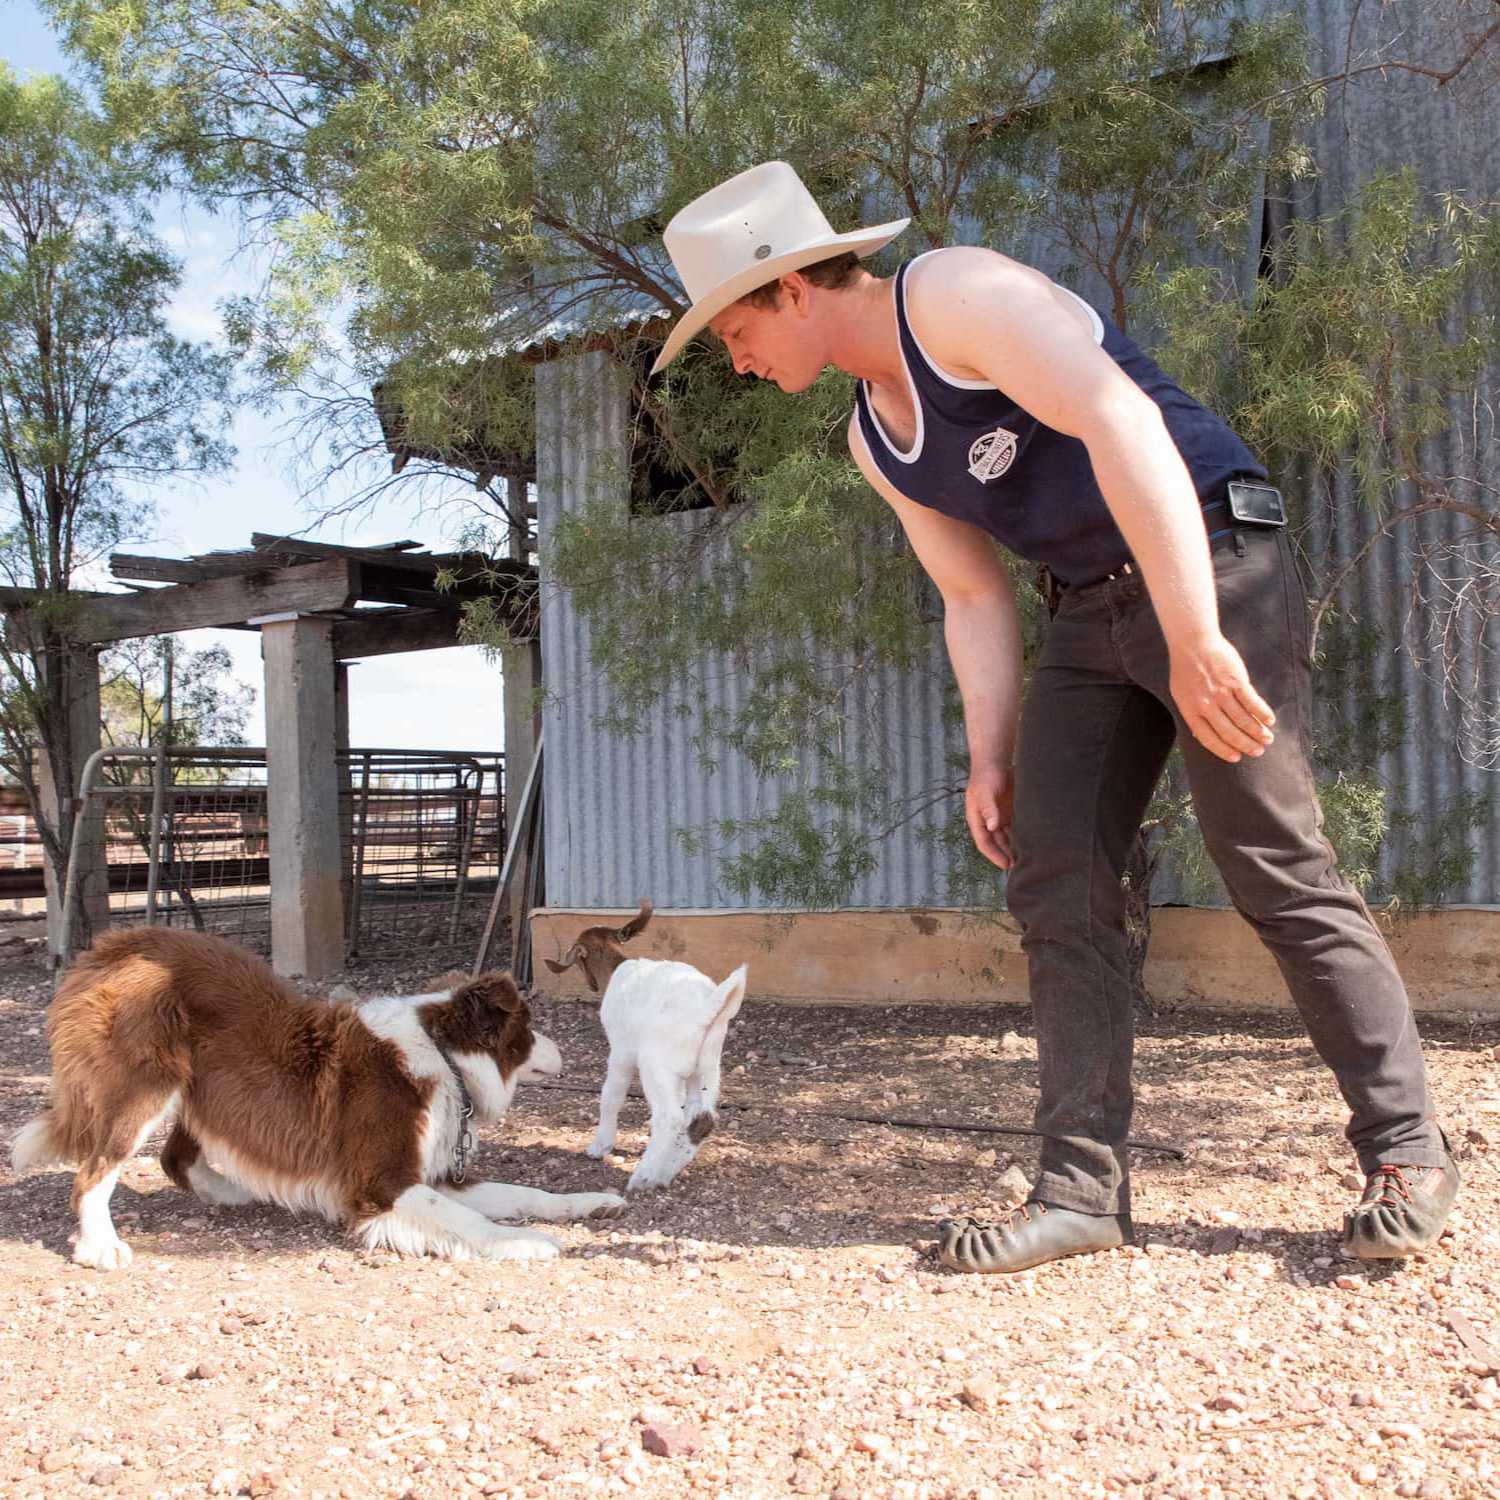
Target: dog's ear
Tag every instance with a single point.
(569, 958)
(450, 981)
(636, 925)
(494, 991)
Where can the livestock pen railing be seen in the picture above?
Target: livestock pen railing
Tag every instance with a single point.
(183, 835)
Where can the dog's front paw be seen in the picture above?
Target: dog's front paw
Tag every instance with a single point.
(103, 1255)
(524, 1245)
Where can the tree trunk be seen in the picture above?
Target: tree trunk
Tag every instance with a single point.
(68, 731)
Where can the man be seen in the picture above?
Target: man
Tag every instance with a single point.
(995, 405)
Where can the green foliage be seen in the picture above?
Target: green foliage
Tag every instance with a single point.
(1437, 853)
(811, 851)
(97, 395)
(1361, 722)
(1355, 822)
(449, 181)
(1365, 327)
(91, 378)
(1366, 332)
(1361, 725)
(207, 705)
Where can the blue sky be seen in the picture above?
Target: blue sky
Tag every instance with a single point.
(431, 700)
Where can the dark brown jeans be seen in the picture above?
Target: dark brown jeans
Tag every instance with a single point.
(1095, 733)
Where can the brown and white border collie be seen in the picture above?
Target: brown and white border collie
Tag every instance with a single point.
(354, 1112)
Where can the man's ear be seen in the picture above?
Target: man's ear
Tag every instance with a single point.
(796, 293)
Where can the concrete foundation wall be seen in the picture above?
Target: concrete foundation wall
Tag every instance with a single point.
(1450, 959)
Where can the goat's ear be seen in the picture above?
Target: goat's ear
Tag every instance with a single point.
(636, 925)
(494, 991)
(569, 958)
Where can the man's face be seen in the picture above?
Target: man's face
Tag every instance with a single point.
(774, 343)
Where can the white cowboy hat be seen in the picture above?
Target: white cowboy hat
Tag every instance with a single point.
(747, 232)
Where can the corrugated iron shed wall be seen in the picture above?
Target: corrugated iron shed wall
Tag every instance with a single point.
(613, 804)
(1449, 135)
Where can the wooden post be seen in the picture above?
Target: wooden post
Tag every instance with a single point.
(521, 665)
(80, 673)
(346, 794)
(307, 917)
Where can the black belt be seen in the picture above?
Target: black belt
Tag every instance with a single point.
(1219, 538)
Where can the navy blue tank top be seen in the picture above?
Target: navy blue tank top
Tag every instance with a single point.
(981, 457)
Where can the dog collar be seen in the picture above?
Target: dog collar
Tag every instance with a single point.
(465, 1142)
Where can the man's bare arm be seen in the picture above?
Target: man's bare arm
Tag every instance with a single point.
(993, 319)
(983, 634)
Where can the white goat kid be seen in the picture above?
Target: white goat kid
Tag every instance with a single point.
(669, 1021)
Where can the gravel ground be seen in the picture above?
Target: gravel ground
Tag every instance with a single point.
(771, 1325)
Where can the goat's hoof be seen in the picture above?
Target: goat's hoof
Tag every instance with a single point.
(597, 1151)
(649, 1182)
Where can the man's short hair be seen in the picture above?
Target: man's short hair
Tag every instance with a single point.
(834, 274)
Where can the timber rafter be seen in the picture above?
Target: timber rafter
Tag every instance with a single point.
(419, 597)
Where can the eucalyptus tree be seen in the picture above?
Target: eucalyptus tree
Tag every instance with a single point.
(99, 399)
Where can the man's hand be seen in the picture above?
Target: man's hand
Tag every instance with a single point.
(988, 804)
(1213, 693)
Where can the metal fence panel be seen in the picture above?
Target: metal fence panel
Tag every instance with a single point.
(187, 843)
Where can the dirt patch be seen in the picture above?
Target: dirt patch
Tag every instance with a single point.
(770, 1325)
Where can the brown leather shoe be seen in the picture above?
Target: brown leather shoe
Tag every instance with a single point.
(1403, 1210)
(1028, 1236)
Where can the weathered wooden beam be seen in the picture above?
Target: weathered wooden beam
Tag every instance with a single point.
(384, 591)
(381, 632)
(261, 540)
(425, 563)
(384, 632)
(333, 584)
(14, 598)
(187, 569)
(494, 579)
(156, 569)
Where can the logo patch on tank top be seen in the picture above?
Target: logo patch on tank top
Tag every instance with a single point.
(991, 455)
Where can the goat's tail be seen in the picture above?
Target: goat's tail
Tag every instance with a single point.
(637, 924)
(728, 998)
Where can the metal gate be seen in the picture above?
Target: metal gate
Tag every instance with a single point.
(186, 841)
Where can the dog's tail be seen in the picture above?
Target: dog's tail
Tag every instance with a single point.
(728, 997)
(38, 1144)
